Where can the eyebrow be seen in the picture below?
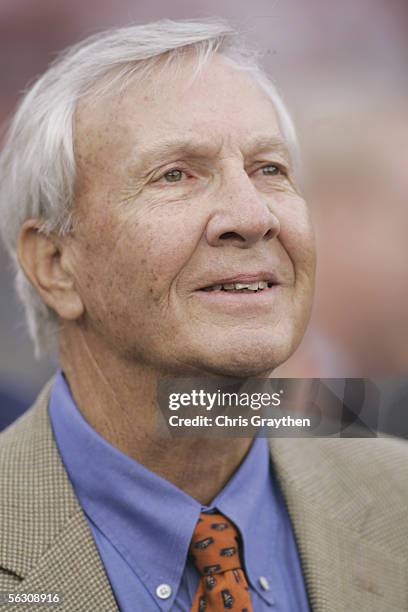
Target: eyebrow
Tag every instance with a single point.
(269, 143)
(200, 149)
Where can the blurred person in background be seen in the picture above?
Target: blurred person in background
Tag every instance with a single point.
(360, 205)
(122, 129)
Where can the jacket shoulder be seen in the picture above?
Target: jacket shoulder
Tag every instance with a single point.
(372, 458)
(360, 483)
(36, 497)
(28, 428)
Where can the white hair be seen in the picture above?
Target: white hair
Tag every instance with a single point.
(37, 164)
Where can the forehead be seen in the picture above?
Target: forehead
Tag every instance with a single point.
(222, 106)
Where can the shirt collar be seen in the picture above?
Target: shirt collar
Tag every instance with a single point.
(138, 511)
(250, 500)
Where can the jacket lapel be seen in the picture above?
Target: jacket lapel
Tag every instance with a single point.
(72, 567)
(330, 507)
(47, 541)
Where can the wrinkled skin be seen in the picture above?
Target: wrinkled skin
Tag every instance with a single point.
(154, 224)
(145, 244)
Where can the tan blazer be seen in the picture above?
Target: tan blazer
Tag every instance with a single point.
(347, 499)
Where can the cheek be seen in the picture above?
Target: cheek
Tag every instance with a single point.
(297, 233)
(148, 254)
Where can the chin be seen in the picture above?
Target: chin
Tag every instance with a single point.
(247, 359)
(239, 370)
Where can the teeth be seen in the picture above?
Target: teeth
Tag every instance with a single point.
(245, 286)
(256, 286)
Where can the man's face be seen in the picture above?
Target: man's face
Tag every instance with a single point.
(182, 189)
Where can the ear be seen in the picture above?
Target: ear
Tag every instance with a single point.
(43, 261)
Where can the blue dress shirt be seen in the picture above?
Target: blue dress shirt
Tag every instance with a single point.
(142, 524)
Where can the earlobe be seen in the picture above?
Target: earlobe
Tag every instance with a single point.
(40, 257)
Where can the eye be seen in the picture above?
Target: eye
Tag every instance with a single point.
(271, 170)
(173, 176)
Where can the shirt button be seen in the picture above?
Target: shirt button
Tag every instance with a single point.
(163, 591)
(264, 583)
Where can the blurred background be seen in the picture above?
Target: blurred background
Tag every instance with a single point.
(342, 69)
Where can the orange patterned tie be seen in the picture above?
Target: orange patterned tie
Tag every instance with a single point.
(214, 550)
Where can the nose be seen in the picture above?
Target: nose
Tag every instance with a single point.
(243, 218)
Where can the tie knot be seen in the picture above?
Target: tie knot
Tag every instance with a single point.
(214, 545)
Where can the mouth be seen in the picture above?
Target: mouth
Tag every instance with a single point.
(249, 284)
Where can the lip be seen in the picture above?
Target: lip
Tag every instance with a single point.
(265, 276)
(241, 303)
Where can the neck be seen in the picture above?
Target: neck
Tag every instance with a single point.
(118, 398)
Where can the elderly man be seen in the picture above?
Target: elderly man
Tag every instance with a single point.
(150, 201)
